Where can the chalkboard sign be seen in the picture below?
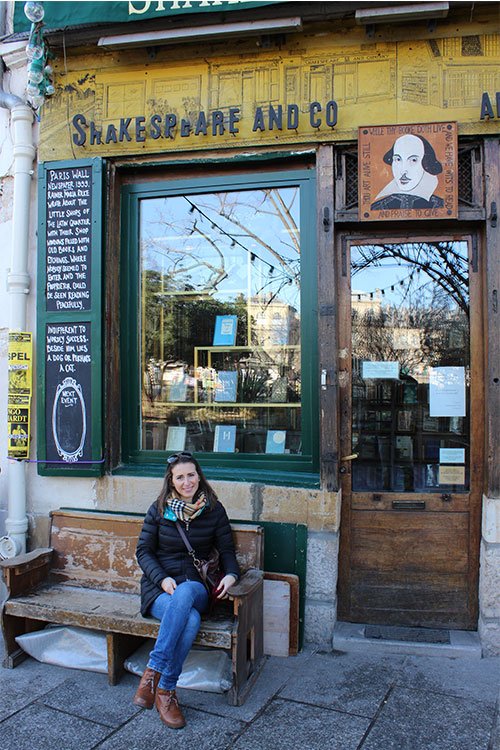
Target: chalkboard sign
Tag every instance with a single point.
(68, 238)
(70, 318)
(68, 391)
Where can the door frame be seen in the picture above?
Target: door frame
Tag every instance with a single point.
(477, 457)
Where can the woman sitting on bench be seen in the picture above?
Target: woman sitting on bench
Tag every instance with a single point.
(171, 587)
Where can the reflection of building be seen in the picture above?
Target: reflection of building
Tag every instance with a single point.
(363, 303)
(275, 323)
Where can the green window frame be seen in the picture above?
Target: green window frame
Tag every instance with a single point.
(297, 470)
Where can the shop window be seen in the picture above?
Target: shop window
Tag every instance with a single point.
(223, 367)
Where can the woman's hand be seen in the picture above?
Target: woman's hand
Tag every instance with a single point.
(225, 584)
(168, 585)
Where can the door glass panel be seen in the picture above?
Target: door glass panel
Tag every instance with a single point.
(410, 366)
(220, 322)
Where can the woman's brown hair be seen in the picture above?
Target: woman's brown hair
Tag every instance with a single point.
(168, 485)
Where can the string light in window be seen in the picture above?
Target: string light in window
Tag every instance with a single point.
(234, 242)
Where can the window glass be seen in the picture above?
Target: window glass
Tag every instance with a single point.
(220, 322)
(410, 380)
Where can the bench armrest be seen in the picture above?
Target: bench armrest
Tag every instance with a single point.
(23, 572)
(248, 582)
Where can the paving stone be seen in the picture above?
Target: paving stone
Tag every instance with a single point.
(203, 732)
(353, 683)
(416, 720)
(495, 733)
(38, 727)
(285, 725)
(27, 682)
(466, 678)
(272, 677)
(89, 696)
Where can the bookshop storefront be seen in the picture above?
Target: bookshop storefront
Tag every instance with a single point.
(280, 258)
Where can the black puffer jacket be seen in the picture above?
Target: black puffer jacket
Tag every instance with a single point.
(161, 553)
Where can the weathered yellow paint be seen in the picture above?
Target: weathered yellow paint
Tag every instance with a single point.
(373, 83)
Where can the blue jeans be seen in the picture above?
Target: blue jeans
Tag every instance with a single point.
(180, 615)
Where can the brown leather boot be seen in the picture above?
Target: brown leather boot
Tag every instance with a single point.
(145, 695)
(168, 707)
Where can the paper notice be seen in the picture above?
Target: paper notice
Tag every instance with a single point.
(380, 370)
(452, 455)
(447, 392)
(452, 475)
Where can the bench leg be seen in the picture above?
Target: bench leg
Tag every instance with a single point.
(236, 696)
(248, 651)
(11, 628)
(120, 647)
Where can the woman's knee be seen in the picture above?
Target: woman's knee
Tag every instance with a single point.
(191, 594)
(184, 594)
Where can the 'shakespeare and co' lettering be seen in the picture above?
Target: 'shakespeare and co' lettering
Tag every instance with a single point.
(216, 123)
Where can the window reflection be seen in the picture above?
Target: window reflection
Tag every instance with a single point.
(410, 382)
(220, 321)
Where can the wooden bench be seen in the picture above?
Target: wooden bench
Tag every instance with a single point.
(89, 577)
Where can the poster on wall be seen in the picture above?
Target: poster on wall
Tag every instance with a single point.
(20, 376)
(408, 171)
(18, 427)
(20, 356)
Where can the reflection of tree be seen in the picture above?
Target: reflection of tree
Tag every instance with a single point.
(442, 335)
(174, 326)
(259, 222)
(231, 210)
(442, 261)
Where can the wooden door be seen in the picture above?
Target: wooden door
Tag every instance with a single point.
(412, 413)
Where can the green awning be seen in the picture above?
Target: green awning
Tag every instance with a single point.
(59, 15)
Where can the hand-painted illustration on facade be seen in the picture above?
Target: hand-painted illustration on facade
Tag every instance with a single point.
(159, 106)
(408, 172)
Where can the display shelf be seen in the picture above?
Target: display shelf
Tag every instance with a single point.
(397, 441)
(269, 362)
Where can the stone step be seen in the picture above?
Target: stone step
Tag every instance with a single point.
(382, 639)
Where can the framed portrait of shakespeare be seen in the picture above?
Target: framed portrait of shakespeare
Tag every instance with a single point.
(408, 171)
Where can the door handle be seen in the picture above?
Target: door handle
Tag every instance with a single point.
(350, 457)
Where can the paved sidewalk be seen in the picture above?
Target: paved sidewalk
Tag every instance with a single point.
(328, 701)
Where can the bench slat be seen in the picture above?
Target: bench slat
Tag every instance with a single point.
(108, 611)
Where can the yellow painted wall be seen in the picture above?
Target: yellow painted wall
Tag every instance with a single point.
(379, 82)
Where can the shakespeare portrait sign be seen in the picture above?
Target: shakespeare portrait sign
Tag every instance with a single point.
(408, 171)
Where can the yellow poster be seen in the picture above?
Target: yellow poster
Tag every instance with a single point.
(20, 358)
(18, 420)
(452, 475)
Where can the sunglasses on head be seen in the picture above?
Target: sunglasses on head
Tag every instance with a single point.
(177, 456)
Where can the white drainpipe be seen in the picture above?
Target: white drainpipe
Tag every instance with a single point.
(18, 287)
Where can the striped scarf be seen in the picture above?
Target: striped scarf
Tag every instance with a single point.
(186, 511)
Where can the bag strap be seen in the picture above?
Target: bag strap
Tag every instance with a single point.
(184, 538)
(196, 561)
